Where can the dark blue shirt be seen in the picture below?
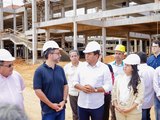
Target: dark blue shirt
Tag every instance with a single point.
(51, 82)
(154, 61)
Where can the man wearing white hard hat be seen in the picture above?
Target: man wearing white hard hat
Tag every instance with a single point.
(11, 82)
(92, 79)
(127, 93)
(50, 84)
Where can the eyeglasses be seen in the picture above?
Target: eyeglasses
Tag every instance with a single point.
(8, 66)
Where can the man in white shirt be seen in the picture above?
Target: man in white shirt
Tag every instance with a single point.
(92, 79)
(146, 74)
(70, 71)
(11, 82)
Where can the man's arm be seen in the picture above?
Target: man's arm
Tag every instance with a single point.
(44, 99)
(65, 92)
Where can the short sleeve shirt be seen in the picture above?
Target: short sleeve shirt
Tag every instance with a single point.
(51, 82)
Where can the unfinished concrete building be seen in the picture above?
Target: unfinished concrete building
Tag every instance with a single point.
(72, 23)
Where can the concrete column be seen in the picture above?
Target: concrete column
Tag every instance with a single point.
(25, 53)
(128, 44)
(47, 9)
(1, 15)
(34, 34)
(119, 41)
(150, 45)
(2, 43)
(25, 20)
(103, 42)
(63, 41)
(15, 50)
(14, 23)
(135, 45)
(75, 25)
(103, 31)
(47, 34)
(51, 11)
(140, 45)
(86, 39)
(63, 12)
(1, 22)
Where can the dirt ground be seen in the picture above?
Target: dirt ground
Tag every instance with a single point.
(31, 101)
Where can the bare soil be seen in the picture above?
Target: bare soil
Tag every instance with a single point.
(31, 102)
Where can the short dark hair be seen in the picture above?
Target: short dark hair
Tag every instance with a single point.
(97, 52)
(143, 56)
(74, 51)
(47, 52)
(156, 42)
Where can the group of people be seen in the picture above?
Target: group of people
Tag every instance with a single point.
(127, 86)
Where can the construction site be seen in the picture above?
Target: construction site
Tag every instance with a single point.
(72, 24)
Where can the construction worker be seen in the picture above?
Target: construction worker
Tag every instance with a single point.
(70, 71)
(11, 82)
(50, 84)
(127, 93)
(118, 64)
(92, 80)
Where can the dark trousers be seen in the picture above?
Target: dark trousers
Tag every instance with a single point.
(146, 114)
(73, 103)
(108, 106)
(94, 114)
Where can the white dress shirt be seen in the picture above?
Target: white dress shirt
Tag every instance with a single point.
(146, 74)
(11, 88)
(70, 71)
(95, 76)
(156, 82)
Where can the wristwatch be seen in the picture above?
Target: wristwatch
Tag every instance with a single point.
(95, 90)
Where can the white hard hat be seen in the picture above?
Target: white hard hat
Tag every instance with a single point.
(92, 46)
(50, 44)
(132, 59)
(5, 55)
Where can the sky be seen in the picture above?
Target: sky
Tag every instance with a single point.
(15, 2)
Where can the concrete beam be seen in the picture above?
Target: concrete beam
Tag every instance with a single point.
(97, 23)
(131, 21)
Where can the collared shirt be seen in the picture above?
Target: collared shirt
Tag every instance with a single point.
(70, 71)
(117, 69)
(154, 61)
(11, 88)
(51, 82)
(146, 74)
(156, 81)
(95, 76)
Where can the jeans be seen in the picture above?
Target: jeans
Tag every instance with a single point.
(146, 114)
(73, 103)
(157, 107)
(94, 114)
(54, 115)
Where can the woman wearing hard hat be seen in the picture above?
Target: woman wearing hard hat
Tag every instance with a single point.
(127, 94)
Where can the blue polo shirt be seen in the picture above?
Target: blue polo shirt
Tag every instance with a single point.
(154, 61)
(51, 82)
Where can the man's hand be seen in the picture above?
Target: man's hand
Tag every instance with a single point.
(55, 106)
(88, 89)
(61, 106)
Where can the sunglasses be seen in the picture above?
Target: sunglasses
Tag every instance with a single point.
(8, 66)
